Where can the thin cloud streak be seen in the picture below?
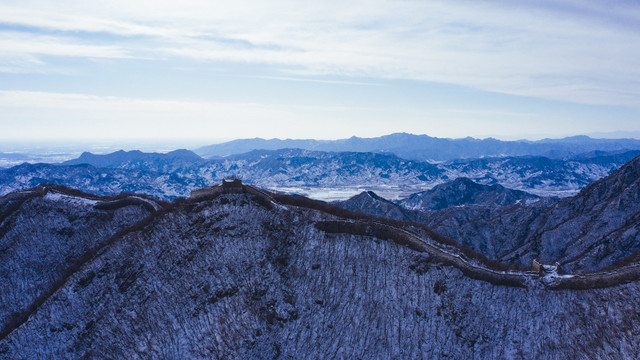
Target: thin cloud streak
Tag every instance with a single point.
(26, 46)
(283, 78)
(489, 112)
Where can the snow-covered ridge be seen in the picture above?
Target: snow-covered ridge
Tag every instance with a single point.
(155, 205)
(57, 196)
(228, 278)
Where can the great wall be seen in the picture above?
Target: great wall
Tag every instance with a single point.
(545, 275)
(343, 221)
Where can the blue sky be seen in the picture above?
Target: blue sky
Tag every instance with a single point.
(208, 70)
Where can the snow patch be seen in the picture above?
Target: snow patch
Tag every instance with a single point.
(55, 196)
(152, 203)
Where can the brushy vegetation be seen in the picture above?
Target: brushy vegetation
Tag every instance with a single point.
(468, 252)
(127, 201)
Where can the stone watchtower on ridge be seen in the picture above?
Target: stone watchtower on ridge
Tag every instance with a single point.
(544, 269)
(229, 186)
(231, 183)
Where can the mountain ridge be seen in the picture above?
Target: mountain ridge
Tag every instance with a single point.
(424, 147)
(293, 169)
(272, 283)
(464, 191)
(136, 159)
(595, 228)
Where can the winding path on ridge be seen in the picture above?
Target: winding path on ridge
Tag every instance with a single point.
(474, 269)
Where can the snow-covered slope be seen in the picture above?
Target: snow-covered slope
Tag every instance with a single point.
(370, 203)
(235, 278)
(597, 227)
(464, 191)
(103, 181)
(45, 233)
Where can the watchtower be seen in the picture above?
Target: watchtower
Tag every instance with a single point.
(544, 269)
(230, 184)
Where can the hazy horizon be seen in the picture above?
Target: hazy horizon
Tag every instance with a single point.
(55, 150)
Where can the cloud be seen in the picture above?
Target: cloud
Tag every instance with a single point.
(15, 44)
(297, 79)
(583, 52)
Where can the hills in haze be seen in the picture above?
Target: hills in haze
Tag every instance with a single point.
(424, 147)
(311, 172)
(138, 160)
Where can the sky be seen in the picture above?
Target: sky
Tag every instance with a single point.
(209, 71)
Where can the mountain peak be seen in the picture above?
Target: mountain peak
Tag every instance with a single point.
(464, 191)
(617, 182)
(425, 147)
(369, 202)
(140, 160)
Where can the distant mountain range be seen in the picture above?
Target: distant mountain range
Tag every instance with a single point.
(424, 147)
(137, 160)
(177, 173)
